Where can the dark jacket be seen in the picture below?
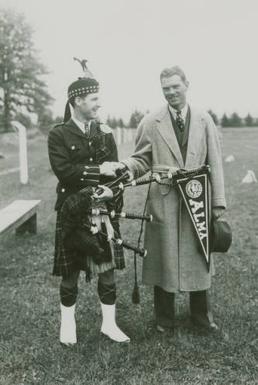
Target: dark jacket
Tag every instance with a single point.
(75, 157)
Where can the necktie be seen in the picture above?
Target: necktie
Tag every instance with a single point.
(180, 121)
(87, 129)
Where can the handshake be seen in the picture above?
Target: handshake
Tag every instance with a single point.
(110, 168)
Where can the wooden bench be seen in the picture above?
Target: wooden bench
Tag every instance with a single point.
(20, 215)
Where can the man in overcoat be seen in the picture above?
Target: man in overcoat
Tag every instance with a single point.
(78, 149)
(179, 135)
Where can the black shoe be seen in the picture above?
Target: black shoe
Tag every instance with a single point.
(163, 328)
(203, 321)
(160, 329)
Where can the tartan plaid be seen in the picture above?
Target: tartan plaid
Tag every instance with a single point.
(70, 217)
(64, 262)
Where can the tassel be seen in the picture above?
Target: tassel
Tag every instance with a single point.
(135, 293)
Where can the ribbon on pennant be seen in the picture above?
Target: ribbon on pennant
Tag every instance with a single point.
(195, 194)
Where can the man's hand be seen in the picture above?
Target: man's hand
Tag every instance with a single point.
(107, 169)
(119, 165)
(102, 194)
(217, 212)
(110, 168)
(130, 176)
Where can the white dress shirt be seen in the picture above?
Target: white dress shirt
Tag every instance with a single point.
(183, 112)
(80, 124)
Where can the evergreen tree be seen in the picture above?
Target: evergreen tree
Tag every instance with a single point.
(225, 122)
(47, 121)
(120, 123)
(21, 72)
(135, 119)
(235, 120)
(249, 121)
(112, 122)
(255, 122)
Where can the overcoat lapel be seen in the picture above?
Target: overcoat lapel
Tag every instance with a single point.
(166, 130)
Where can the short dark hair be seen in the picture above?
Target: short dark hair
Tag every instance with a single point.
(72, 99)
(175, 70)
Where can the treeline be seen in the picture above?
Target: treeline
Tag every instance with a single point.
(133, 122)
(233, 120)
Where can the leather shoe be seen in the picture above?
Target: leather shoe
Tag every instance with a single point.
(160, 329)
(204, 322)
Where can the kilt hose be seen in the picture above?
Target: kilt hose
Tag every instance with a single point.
(106, 288)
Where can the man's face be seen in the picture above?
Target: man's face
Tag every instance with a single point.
(88, 106)
(174, 90)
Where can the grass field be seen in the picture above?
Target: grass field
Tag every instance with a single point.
(30, 352)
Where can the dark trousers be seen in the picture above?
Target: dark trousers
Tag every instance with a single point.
(106, 288)
(200, 308)
(164, 306)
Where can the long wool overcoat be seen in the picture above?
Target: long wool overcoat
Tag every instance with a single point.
(174, 261)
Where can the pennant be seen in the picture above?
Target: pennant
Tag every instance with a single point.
(194, 191)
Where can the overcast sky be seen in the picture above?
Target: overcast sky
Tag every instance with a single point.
(128, 42)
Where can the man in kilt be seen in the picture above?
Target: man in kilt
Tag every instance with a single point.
(78, 151)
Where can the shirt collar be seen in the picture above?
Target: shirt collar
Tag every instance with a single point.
(183, 111)
(80, 124)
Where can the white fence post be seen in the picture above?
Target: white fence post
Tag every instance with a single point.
(23, 158)
(119, 136)
(124, 135)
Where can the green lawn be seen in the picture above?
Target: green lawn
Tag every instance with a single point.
(30, 352)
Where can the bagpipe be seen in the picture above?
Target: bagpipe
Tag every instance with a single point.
(193, 188)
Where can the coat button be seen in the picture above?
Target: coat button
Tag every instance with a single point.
(91, 159)
(89, 143)
(63, 190)
(73, 147)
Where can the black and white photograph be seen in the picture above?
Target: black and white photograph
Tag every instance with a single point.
(128, 192)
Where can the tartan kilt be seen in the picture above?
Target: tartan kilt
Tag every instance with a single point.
(66, 262)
